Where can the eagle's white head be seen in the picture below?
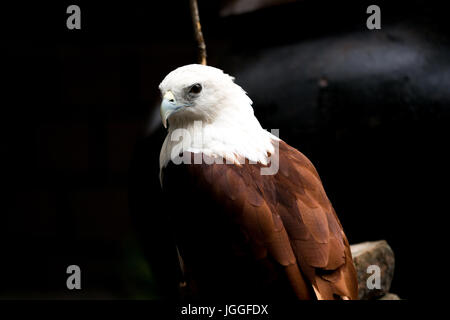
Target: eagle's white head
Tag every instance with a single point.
(207, 112)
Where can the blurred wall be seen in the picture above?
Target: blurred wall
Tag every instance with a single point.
(81, 134)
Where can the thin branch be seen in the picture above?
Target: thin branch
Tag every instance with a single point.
(198, 32)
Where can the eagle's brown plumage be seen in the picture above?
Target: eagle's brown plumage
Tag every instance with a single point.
(241, 233)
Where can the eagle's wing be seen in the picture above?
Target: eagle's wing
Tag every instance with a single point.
(287, 216)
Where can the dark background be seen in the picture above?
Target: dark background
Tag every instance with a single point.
(81, 134)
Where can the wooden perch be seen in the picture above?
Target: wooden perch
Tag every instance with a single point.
(377, 253)
(198, 32)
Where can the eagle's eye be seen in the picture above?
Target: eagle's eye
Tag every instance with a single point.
(196, 88)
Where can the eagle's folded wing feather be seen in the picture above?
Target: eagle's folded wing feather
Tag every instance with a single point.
(288, 217)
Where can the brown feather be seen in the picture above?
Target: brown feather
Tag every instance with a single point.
(285, 218)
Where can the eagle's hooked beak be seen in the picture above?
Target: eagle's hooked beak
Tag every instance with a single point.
(168, 106)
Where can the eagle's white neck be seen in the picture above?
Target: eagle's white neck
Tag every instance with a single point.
(233, 134)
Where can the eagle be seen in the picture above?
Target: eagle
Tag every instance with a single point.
(249, 212)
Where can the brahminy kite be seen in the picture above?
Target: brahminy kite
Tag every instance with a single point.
(243, 232)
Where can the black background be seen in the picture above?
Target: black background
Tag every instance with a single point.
(80, 130)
